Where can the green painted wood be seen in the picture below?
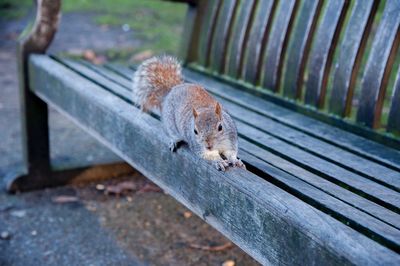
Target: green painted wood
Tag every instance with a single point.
(207, 29)
(259, 28)
(394, 114)
(321, 54)
(350, 52)
(244, 207)
(220, 42)
(240, 35)
(298, 48)
(275, 50)
(356, 144)
(377, 70)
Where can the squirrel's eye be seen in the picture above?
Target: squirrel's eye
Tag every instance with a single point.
(219, 127)
(195, 131)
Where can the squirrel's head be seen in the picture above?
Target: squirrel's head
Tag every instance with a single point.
(208, 126)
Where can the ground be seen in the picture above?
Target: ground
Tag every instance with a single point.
(124, 221)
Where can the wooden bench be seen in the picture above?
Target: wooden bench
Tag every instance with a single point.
(323, 179)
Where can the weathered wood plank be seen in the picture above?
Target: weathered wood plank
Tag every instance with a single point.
(260, 27)
(240, 34)
(350, 52)
(339, 192)
(106, 73)
(35, 144)
(361, 146)
(379, 64)
(275, 50)
(247, 209)
(394, 114)
(322, 50)
(207, 30)
(220, 42)
(299, 43)
(359, 220)
(93, 76)
(326, 151)
(336, 191)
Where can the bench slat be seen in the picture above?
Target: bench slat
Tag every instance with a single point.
(350, 51)
(273, 60)
(299, 43)
(207, 29)
(328, 187)
(247, 209)
(376, 74)
(219, 43)
(394, 114)
(357, 219)
(317, 147)
(260, 27)
(321, 54)
(240, 36)
(336, 136)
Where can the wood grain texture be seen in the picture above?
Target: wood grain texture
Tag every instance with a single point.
(244, 207)
(319, 64)
(240, 32)
(331, 153)
(379, 64)
(256, 120)
(333, 135)
(350, 52)
(34, 113)
(394, 114)
(208, 20)
(223, 26)
(298, 49)
(260, 27)
(355, 217)
(275, 49)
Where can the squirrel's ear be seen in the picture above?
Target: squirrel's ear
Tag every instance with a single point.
(218, 110)
(195, 113)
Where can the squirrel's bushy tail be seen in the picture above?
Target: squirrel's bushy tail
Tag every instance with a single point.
(153, 79)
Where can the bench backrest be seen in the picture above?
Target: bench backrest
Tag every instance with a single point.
(336, 56)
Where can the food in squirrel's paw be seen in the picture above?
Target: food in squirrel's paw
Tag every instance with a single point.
(188, 112)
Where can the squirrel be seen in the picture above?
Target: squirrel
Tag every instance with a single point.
(190, 115)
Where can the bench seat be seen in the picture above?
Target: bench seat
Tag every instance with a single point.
(313, 193)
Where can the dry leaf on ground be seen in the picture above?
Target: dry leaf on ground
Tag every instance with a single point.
(212, 248)
(64, 199)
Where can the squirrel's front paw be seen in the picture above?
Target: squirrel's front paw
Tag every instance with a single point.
(237, 163)
(174, 145)
(221, 165)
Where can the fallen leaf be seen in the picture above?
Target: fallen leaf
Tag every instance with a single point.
(228, 263)
(150, 188)
(100, 187)
(187, 215)
(146, 54)
(64, 199)
(121, 188)
(212, 248)
(89, 55)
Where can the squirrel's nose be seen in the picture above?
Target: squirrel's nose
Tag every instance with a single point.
(208, 145)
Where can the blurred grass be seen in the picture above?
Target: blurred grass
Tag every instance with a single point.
(157, 23)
